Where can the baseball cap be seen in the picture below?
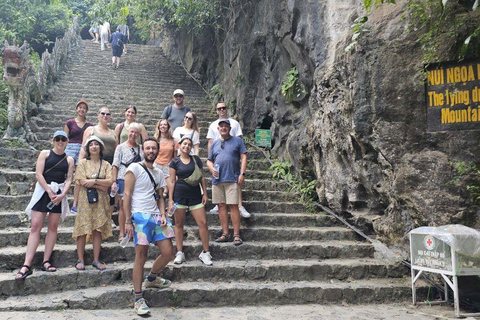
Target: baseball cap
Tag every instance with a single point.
(178, 91)
(81, 102)
(60, 133)
(224, 121)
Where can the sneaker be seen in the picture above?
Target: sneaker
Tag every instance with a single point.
(214, 210)
(244, 213)
(141, 307)
(73, 210)
(179, 258)
(157, 283)
(206, 258)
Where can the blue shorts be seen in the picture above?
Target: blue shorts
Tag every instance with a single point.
(147, 231)
(73, 150)
(121, 187)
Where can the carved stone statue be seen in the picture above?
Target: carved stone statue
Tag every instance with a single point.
(19, 75)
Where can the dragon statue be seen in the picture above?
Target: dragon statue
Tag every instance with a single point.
(19, 75)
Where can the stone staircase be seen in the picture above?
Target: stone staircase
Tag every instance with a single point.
(289, 256)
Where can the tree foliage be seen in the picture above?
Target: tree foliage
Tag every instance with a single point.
(37, 21)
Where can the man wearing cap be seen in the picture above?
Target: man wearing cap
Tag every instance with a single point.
(145, 208)
(175, 113)
(235, 131)
(227, 161)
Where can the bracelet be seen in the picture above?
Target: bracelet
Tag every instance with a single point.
(128, 223)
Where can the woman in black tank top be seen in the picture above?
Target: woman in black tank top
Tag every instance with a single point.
(53, 167)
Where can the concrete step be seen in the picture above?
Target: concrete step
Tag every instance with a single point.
(65, 255)
(18, 236)
(218, 294)
(69, 278)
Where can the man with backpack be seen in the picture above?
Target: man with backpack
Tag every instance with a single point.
(117, 40)
(175, 113)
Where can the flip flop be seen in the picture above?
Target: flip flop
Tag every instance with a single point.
(24, 274)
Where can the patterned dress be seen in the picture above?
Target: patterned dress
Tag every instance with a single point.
(92, 216)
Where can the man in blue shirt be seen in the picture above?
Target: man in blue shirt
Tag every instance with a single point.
(117, 41)
(227, 161)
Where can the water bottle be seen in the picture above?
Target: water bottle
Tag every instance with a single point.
(216, 166)
(114, 191)
(171, 212)
(50, 205)
(125, 241)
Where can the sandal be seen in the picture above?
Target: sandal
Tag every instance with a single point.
(49, 268)
(99, 265)
(80, 265)
(237, 240)
(25, 274)
(223, 238)
(120, 238)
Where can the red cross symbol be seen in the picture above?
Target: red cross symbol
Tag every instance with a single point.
(429, 242)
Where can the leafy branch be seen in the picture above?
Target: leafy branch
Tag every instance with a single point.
(305, 189)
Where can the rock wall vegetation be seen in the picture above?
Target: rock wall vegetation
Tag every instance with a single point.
(358, 122)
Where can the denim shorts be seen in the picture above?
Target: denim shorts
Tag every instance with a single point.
(146, 229)
(73, 150)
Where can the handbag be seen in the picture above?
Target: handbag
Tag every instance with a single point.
(196, 177)
(92, 193)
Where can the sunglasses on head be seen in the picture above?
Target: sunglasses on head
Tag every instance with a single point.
(222, 108)
(63, 139)
(222, 145)
(106, 114)
(178, 96)
(188, 118)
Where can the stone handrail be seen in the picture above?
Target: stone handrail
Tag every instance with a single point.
(28, 88)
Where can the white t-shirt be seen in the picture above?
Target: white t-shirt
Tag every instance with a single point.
(235, 129)
(182, 131)
(142, 197)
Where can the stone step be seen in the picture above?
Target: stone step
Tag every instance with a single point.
(13, 219)
(18, 236)
(65, 255)
(218, 294)
(69, 278)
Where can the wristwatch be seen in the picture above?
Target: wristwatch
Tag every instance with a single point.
(243, 174)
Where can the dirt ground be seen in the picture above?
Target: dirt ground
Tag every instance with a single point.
(303, 312)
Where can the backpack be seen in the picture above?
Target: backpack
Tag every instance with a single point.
(168, 109)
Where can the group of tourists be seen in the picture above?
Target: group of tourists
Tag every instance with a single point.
(139, 172)
(117, 39)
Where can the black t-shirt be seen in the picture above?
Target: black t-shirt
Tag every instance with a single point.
(182, 189)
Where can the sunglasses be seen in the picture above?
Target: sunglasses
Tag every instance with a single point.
(222, 108)
(188, 118)
(106, 114)
(178, 96)
(63, 139)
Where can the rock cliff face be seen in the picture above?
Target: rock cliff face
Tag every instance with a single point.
(360, 127)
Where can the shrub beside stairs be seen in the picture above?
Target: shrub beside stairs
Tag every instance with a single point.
(289, 256)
